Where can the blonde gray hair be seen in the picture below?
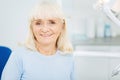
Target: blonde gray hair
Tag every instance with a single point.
(49, 10)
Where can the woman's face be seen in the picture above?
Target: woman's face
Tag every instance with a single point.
(46, 31)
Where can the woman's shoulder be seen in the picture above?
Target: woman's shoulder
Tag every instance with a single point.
(66, 55)
(19, 51)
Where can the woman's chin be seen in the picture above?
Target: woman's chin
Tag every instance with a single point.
(46, 42)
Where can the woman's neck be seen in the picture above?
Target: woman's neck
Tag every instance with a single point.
(46, 50)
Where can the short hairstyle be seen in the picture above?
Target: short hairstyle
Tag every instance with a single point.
(49, 10)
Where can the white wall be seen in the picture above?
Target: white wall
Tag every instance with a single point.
(13, 20)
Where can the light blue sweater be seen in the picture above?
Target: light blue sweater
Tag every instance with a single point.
(24, 64)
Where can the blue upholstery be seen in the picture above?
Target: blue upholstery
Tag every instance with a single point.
(4, 55)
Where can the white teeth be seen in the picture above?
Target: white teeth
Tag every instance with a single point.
(45, 35)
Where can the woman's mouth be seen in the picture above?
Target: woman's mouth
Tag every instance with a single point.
(45, 35)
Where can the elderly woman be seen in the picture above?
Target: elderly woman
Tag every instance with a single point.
(47, 51)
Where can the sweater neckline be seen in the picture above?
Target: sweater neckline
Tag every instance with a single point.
(49, 56)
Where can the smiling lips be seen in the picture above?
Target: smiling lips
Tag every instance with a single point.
(45, 35)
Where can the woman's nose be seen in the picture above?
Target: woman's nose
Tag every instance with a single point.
(44, 28)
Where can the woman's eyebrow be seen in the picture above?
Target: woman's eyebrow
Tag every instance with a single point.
(51, 20)
(38, 20)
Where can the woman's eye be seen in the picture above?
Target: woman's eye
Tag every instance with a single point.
(52, 22)
(38, 23)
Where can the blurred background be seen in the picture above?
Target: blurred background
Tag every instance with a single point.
(95, 38)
